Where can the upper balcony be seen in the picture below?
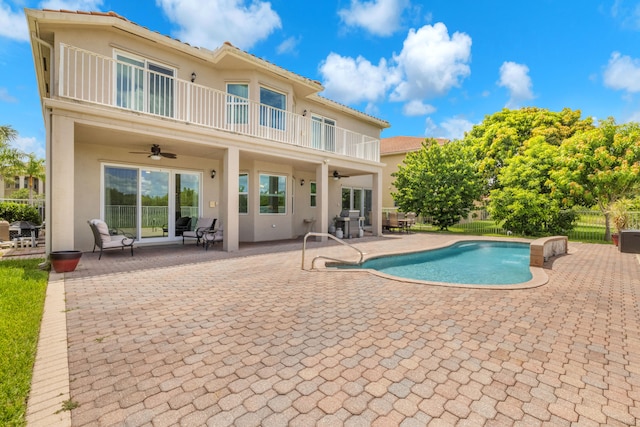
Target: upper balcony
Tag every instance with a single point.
(154, 91)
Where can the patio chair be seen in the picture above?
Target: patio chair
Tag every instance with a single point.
(393, 222)
(410, 221)
(202, 225)
(182, 224)
(106, 238)
(213, 236)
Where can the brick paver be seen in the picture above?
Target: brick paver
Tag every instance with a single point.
(180, 335)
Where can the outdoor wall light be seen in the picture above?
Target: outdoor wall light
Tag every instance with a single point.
(304, 113)
(301, 182)
(213, 173)
(193, 77)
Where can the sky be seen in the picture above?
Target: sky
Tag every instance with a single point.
(431, 68)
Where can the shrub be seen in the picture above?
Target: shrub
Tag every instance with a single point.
(19, 212)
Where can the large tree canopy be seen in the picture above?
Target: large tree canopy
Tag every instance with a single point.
(600, 166)
(504, 134)
(525, 201)
(438, 181)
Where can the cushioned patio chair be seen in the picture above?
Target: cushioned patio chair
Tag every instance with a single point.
(105, 238)
(202, 225)
(213, 236)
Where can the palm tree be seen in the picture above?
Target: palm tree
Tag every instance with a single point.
(32, 168)
(7, 133)
(10, 158)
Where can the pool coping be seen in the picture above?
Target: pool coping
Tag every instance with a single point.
(539, 277)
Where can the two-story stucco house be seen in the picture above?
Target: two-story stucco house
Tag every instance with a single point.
(143, 129)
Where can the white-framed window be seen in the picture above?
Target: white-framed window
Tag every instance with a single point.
(313, 195)
(323, 133)
(143, 85)
(238, 103)
(272, 108)
(273, 194)
(243, 193)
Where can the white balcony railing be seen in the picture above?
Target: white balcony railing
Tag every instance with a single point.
(89, 77)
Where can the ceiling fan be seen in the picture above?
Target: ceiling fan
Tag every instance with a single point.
(337, 176)
(155, 153)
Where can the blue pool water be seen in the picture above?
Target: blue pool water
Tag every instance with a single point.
(467, 262)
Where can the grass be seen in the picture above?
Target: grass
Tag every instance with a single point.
(22, 291)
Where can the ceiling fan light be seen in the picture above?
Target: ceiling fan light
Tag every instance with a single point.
(155, 157)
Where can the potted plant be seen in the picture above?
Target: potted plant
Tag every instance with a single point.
(620, 218)
(64, 261)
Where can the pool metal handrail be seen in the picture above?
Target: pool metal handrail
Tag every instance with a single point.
(331, 236)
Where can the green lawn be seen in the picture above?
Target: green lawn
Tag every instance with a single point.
(22, 292)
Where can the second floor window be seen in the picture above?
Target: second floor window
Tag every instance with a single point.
(238, 103)
(272, 109)
(144, 86)
(323, 133)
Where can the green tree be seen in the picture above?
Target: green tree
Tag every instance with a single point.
(10, 158)
(525, 201)
(600, 166)
(32, 168)
(438, 181)
(504, 134)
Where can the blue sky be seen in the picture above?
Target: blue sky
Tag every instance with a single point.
(429, 68)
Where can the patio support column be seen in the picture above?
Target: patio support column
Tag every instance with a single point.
(376, 204)
(230, 185)
(322, 198)
(60, 195)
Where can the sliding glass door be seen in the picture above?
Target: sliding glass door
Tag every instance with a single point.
(154, 193)
(148, 202)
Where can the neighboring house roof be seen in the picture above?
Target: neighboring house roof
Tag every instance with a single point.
(226, 55)
(404, 144)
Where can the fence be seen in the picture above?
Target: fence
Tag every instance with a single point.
(589, 225)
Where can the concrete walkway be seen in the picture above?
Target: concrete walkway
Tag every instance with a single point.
(180, 336)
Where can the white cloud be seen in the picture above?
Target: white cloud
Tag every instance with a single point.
(622, 73)
(635, 117)
(289, 45)
(379, 17)
(432, 62)
(84, 5)
(5, 96)
(211, 23)
(627, 14)
(13, 24)
(29, 145)
(452, 128)
(349, 80)
(515, 77)
(417, 108)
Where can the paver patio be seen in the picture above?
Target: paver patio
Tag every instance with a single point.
(180, 336)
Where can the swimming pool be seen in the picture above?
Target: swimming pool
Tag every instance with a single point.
(466, 262)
